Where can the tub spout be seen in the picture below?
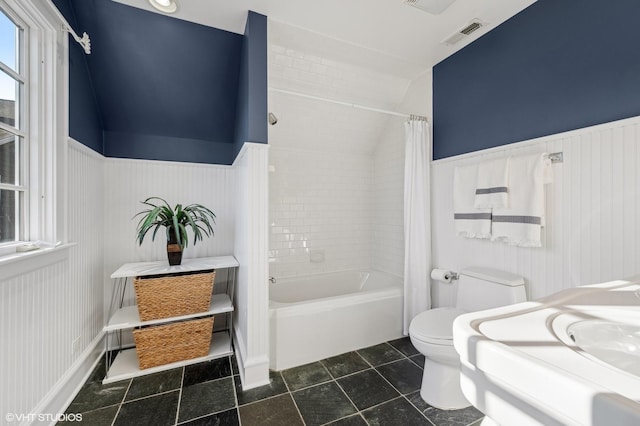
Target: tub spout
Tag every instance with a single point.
(272, 280)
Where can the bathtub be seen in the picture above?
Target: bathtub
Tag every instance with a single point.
(319, 316)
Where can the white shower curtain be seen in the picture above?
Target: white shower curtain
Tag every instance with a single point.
(417, 220)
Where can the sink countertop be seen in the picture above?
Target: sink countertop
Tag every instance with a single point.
(526, 347)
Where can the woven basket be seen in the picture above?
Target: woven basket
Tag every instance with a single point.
(164, 344)
(165, 296)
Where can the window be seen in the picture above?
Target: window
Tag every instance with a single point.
(33, 129)
(13, 173)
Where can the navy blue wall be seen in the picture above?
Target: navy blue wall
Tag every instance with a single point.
(85, 122)
(167, 89)
(167, 148)
(554, 67)
(251, 125)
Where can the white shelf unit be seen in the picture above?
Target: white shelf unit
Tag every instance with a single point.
(128, 317)
(125, 365)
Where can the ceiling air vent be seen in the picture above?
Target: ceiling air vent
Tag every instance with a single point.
(464, 32)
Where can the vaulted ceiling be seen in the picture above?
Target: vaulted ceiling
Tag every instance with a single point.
(406, 36)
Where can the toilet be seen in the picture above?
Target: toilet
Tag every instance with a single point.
(431, 331)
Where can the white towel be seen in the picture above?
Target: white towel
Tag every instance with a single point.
(521, 223)
(469, 221)
(492, 186)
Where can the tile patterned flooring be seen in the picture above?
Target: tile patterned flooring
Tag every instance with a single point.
(376, 386)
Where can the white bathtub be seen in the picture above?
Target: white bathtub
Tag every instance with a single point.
(319, 316)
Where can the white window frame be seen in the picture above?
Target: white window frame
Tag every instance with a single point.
(20, 129)
(45, 120)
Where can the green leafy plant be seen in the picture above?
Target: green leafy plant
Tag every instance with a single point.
(160, 214)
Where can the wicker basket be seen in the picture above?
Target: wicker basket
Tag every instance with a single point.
(164, 344)
(165, 296)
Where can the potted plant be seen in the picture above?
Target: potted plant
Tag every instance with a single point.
(176, 221)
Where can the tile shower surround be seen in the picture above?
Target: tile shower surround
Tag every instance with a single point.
(330, 186)
(319, 202)
(379, 385)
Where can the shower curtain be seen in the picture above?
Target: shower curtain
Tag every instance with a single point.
(417, 220)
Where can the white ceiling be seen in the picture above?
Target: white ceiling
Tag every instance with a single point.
(408, 37)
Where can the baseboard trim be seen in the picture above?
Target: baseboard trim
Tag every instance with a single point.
(65, 390)
(254, 371)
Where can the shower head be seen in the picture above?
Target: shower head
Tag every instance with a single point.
(272, 118)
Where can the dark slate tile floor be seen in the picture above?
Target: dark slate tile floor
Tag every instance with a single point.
(375, 386)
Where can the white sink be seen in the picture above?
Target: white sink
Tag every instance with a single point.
(572, 358)
(615, 343)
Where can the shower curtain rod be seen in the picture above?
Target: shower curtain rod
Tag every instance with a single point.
(349, 104)
(84, 41)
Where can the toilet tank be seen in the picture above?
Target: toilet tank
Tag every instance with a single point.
(485, 288)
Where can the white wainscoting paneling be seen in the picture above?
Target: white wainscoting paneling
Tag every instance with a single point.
(251, 326)
(86, 218)
(37, 311)
(43, 312)
(128, 182)
(593, 213)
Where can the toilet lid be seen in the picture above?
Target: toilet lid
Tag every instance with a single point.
(435, 325)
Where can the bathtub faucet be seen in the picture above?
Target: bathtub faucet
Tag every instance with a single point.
(272, 280)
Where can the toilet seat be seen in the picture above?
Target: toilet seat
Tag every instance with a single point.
(435, 326)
